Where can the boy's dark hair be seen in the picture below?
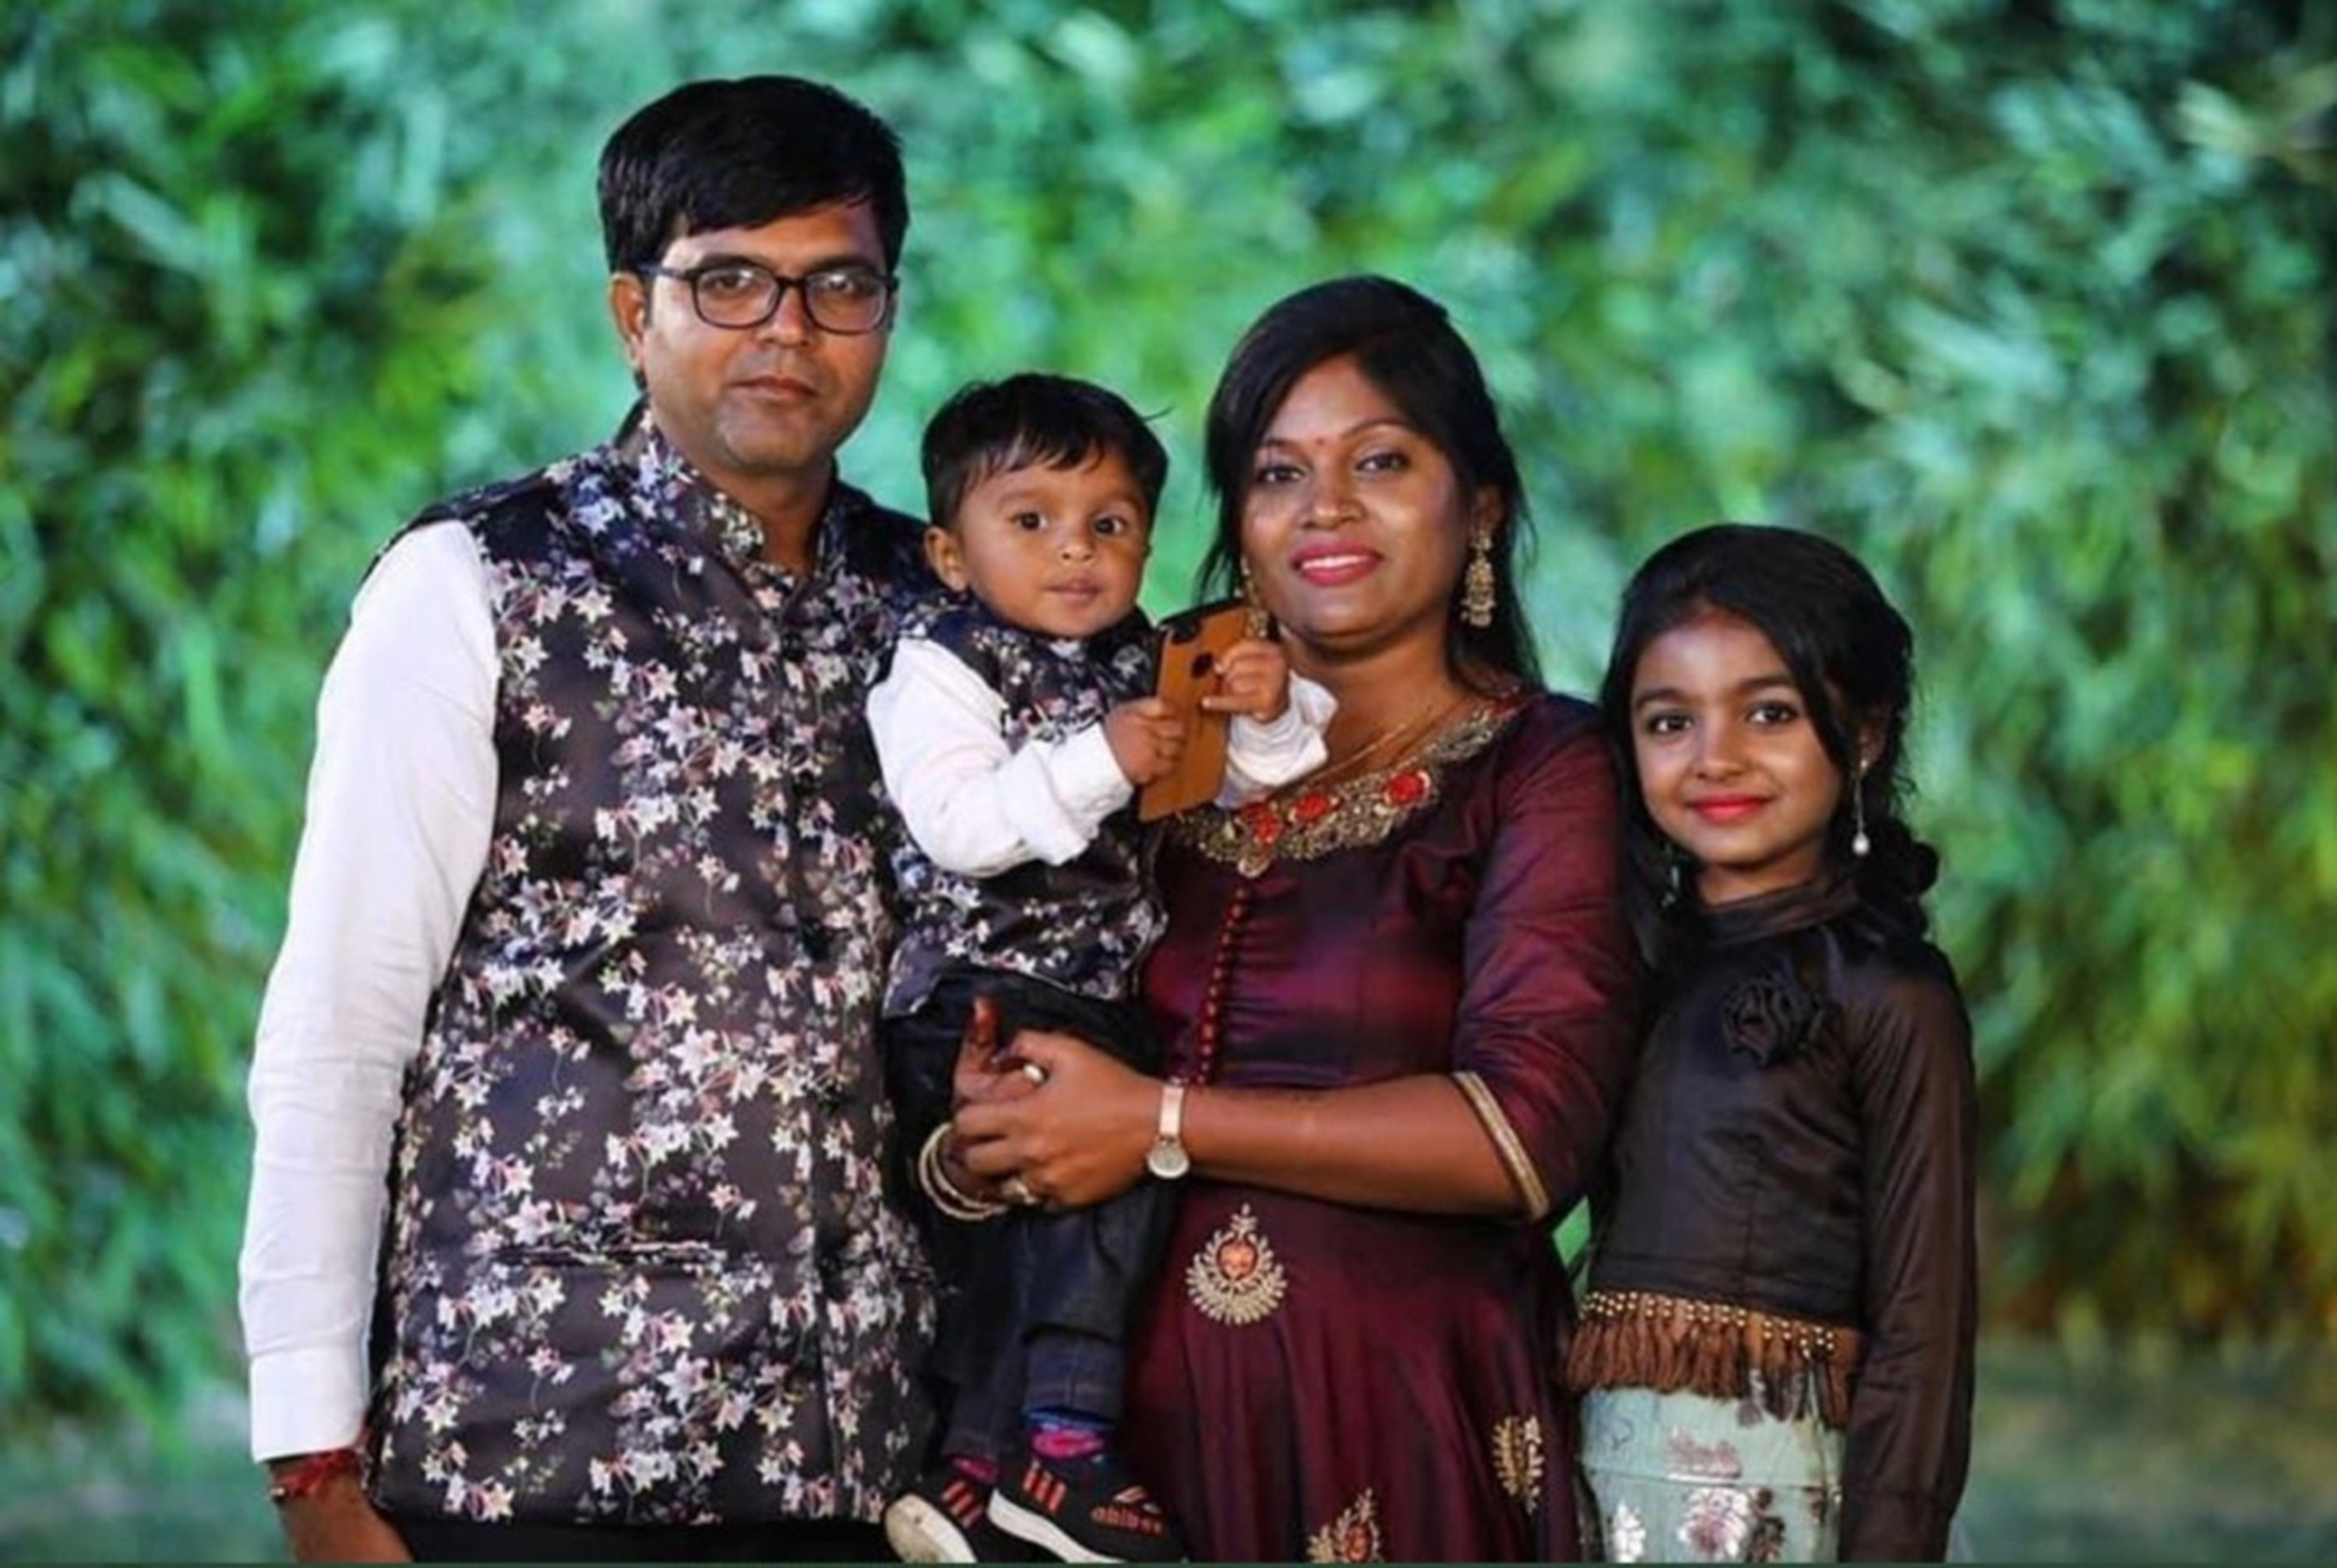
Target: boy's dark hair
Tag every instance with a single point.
(731, 154)
(1852, 660)
(1033, 419)
(1409, 350)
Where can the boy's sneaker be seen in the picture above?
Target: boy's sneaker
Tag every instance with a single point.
(1090, 1510)
(945, 1518)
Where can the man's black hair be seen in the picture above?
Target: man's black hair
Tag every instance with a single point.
(738, 154)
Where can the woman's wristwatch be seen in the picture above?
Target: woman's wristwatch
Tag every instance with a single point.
(1166, 1158)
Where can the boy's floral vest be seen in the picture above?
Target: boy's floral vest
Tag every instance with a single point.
(639, 1266)
(1084, 926)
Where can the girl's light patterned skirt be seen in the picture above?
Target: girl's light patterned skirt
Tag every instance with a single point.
(1689, 1478)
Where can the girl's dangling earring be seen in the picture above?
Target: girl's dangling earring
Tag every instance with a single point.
(1477, 594)
(1674, 877)
(1858, 842)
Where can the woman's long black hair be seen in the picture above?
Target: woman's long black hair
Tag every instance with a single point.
(1407, 345)
(1852, 660)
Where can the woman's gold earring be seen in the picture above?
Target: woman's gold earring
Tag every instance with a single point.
(1257, 626)
(1477, 590)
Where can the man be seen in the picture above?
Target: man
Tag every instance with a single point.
(567, 1234)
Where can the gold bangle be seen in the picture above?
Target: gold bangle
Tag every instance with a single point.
(954, 1201)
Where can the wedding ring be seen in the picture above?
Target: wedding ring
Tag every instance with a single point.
(1016, 1191)
(1033, 1071)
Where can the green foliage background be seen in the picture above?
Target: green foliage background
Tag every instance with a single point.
(2032, 302)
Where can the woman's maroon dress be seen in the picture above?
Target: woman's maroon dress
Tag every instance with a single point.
(1317, 1380)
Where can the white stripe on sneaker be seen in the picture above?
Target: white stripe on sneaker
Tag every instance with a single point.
(1039, 1531)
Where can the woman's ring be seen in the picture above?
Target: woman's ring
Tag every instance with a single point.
(1016, 1191)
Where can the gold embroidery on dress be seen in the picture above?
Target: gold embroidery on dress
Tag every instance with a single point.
(1353, 1537)
(1235, 1277)
(1307, 821)
(1506, 1144)
(1517, 1458)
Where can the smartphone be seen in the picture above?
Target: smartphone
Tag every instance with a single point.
(1189, 646)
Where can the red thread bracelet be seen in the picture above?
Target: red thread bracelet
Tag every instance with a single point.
(310, 1475)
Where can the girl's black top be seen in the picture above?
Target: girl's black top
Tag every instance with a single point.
(1800, 1140)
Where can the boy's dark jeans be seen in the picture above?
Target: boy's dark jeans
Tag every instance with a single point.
(1035, 1308)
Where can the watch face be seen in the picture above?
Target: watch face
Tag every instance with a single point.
(1168, 1160)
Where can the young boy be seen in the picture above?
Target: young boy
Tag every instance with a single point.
(1013, 729)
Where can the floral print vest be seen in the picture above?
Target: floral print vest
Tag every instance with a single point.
(639, 1266)
(1084, 926)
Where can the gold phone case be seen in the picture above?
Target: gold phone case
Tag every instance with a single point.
(1189, 646)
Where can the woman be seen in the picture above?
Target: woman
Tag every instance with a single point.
(1397, 996)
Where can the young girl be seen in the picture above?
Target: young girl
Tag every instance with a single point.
(1774, 1360)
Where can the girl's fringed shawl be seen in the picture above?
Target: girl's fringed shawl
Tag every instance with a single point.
(1638, 1339)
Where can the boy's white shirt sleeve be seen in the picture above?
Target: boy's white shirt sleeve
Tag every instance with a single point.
(401, 803)
(974, 804)
(1261, 757)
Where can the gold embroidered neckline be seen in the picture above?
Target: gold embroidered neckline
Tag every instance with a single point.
(1305, 820)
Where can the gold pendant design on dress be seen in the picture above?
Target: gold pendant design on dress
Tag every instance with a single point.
(1353, 1537)
(1235, 1277)
(1517, 1458)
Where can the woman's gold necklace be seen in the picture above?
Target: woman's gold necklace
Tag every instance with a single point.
(1395, 741)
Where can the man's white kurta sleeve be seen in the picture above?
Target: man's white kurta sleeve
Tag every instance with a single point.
(973, 804)
(401, 803)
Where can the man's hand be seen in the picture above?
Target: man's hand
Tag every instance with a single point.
(1145, 737)
(1253, 680)
(338, 1522)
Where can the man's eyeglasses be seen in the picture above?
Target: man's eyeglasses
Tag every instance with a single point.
(742, 294)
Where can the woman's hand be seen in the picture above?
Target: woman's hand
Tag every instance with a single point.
(984, 1072)
(1075, 1134)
